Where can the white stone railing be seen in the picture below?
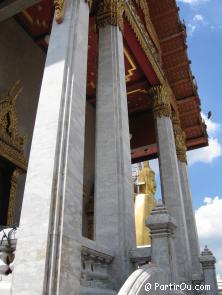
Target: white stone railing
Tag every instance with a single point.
(7, 254)
(141, 256)
(7, 250)
(95, 264)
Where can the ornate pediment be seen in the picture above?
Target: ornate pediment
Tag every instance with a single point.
(11, 142)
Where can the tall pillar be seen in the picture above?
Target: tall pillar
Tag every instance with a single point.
(114, 209)
(170, 178)
(187, 198)
(49, 238)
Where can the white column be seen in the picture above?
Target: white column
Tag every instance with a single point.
(180, 140)
(190, 220)
(170, 178)
(48, 255)
(114, 210)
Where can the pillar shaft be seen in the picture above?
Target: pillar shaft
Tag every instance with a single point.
(49, 251)
(114, 209)
(170, 178)
(190, 221)
(171, 190)
(180, 141)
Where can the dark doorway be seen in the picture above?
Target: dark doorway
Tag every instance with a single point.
(6, 170)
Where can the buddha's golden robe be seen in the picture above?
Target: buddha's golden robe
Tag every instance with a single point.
(145, 188)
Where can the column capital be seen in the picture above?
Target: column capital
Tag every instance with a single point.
(180, 138)
(59, 10)
(110, 12)
(60, 7)
(161, 102)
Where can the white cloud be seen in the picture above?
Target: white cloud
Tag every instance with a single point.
(206, 154)
(209, 227)
(212, 127)
(213, 150)
(192, 2)
(191, 29)
(208, 218)
(195, 23)
(198, 18)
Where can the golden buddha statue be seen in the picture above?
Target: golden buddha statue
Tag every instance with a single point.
(145, 189)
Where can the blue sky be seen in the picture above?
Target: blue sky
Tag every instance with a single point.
(203, 19)
(204, 28)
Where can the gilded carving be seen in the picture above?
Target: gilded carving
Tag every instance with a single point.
(11, 143)
(110, 12)
(148, 47)
(161, 101)
(142, 36)
(149, 25)
(59, 10)
(12, 198)
(180, 139)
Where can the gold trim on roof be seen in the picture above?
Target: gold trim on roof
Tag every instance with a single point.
(140, 90)
(149, 25)
(142, 36)
(148, 47)
(133, 66)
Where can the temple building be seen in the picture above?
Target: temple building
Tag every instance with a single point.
(89, 88)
